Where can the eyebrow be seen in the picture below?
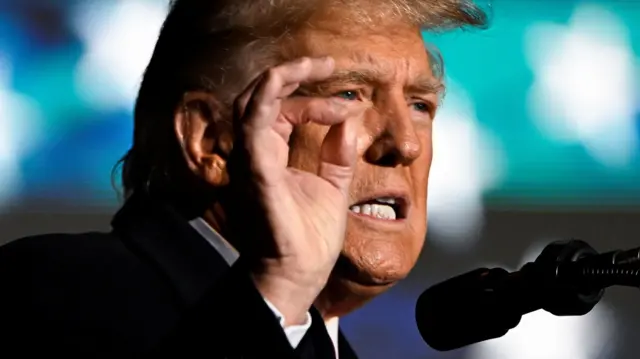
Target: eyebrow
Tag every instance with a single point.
(423, 84)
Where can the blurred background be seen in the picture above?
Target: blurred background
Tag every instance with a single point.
(537, 141)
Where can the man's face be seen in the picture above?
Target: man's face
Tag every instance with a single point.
(389, 68)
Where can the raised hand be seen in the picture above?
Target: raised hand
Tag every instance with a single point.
(295, 220)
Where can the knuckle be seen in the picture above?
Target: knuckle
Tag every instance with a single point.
(304, 62)
(259, 109)
(262, 109)
(273, 80)
(286, 117)
(311, 112)
(273, 75)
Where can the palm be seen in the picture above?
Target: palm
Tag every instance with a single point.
(301, 216)
(306, 203)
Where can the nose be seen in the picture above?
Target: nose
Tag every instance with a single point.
(396, 142)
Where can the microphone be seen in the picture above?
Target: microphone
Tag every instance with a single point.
(567, 279)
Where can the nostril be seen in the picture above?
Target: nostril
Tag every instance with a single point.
(389, 151)
(390, 159)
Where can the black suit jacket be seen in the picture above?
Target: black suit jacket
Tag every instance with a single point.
(153, 287)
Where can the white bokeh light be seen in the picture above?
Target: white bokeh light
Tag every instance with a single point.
(585, 88)
(541, 335)
(119, 37)
(467, 161)
(19, 131)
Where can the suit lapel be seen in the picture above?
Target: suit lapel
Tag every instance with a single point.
(316, 343)
(344, 348)
(159, 234)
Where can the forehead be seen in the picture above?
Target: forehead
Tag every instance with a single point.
(390, 50)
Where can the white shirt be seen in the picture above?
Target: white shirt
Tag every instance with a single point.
(294, 333)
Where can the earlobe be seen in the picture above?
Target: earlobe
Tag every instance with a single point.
(215, 170)
(203, 135)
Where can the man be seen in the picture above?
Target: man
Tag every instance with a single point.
(277, 181)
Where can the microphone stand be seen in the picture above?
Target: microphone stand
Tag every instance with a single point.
(567, 279)
(620, 267)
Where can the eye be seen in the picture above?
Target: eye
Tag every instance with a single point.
(421, 107)
(350, 95)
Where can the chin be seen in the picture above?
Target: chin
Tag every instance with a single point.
(351, 286)
(377, 259)
(376, 268)
(342, 295)
(376, 255)
(379, 252)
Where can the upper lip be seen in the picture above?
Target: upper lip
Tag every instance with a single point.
(402, 201)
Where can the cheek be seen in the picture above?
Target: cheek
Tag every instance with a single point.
(306, 141)
(421, 168)
(419, 173)
(419, 234)
(304, 146)
(427, 145)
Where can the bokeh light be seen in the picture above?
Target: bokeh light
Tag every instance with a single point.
(119, 37)
(19, 120)
(468, 160)
(541, 335)
(586, 88)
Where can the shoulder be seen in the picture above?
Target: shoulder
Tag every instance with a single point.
(87, 287)
(41, 245)
(59, 253)
(89, 271)
(97, 259)
(94, 260)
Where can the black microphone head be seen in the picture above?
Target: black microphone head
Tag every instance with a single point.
(464, 310)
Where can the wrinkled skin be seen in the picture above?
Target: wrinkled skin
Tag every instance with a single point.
(386, 70)
(394, 152)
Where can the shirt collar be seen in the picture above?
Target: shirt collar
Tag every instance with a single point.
(226, 250)
(230, 255)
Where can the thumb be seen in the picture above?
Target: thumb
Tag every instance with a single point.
(338, 154)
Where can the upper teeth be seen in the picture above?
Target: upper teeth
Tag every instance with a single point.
(382, 211)
(386, 200)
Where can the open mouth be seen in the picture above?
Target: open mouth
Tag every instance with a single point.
(388, 208)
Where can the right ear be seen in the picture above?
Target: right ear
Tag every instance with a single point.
(205, 136)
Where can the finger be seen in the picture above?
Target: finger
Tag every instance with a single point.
(241, 102)
(326, 111)
(305, 69)
(318, 110)
(338, 154)
(263, 106)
